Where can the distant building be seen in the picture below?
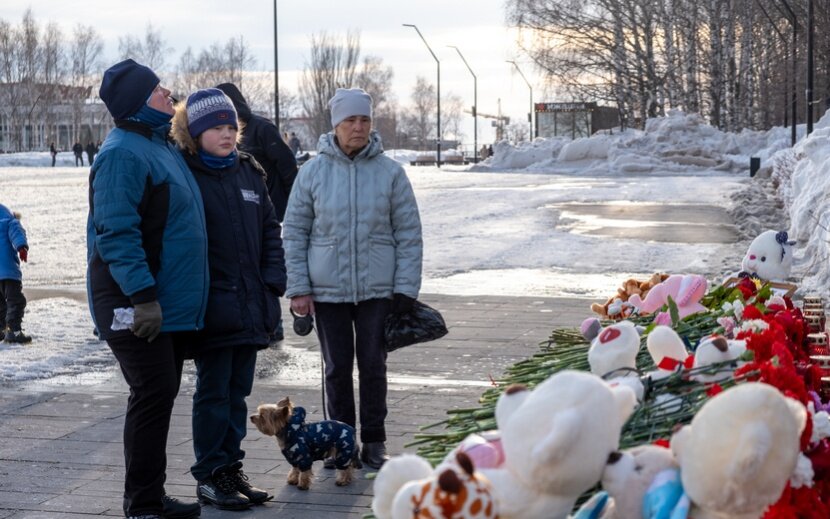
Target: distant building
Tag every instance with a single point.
(33, 116)
(573, 120)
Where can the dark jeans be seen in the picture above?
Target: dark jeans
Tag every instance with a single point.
(153, 371)
(54, 156)
(224, 378)
(12, 304)
(79, 158)
(346, 330)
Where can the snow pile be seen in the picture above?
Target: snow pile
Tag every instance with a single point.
(801, 174)
(671, 144)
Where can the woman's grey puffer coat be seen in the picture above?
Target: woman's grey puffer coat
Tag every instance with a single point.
(352, 230)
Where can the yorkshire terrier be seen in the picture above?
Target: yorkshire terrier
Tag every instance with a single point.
(302, 443)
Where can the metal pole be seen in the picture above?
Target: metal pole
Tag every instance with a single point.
(276, 73)
(794, 107)
(810, 67)
(475, 105)
(438, 63)
(530, 113)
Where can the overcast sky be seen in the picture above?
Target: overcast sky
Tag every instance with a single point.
(476, 27)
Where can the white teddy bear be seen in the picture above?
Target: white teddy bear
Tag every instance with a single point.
(739, 451)
(613, 356)
(667, 350)
(556, 441)
(769, 257)
(716, 349)
(629, 475)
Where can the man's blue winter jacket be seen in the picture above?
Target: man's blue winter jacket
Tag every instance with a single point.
(146, 237)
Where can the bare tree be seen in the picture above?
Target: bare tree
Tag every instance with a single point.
(333, 64)
(85, 54)
(419, 120)
(151, 52)
(376, 79)
(452, 111)
(54, 71)
(12, 91)
(219, 63)
(715, 57)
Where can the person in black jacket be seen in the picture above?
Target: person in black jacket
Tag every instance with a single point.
(91, 150)
(247, 275)
(78, 150)
(262, 140)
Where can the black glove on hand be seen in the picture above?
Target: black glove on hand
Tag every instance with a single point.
(401, 303)
(147, 320)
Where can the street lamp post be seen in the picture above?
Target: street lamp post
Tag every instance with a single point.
(530, 113)
(475, 105)
(438, 63)
(276, 73)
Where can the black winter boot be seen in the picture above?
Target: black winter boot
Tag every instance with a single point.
(220, 491)
(374, 454)
(257, 496)
(173, 508)
(17, 337)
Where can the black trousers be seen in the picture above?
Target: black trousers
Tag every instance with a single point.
(12, 304)
(347, 330)
(153, 371)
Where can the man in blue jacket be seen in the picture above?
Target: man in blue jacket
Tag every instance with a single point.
(147, 273)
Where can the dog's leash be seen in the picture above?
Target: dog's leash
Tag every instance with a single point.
(323, 382)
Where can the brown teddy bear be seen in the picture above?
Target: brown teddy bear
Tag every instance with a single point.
(615, 307)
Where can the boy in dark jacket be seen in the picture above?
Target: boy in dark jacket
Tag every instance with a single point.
(262, 140)
(247, 275)
(12, 302)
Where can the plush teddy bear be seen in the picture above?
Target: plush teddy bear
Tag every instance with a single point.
(613, 356)
(407, 487)
(716, 349)
(739, 451)
(667, 350)
(769, 257)
(686, 290)
(629, 475)
(617, 306)
(556, 442)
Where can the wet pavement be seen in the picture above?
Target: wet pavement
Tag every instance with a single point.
(61, 451)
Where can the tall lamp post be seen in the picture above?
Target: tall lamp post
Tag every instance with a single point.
(530, 113)
(438, 63)
(475, 105)
(276, 73)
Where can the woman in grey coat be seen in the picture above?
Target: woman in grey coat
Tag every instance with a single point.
(352, 238)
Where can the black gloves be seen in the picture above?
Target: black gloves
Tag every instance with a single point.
(401, 303)
(147, 320)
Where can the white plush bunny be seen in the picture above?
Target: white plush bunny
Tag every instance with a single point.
(770, 256)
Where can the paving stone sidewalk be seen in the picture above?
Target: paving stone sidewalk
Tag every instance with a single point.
(61, 450)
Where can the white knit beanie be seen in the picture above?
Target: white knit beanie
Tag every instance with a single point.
(348, 102)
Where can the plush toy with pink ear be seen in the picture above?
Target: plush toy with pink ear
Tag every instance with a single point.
(685, 289)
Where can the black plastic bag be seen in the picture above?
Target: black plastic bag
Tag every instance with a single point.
(420, 324)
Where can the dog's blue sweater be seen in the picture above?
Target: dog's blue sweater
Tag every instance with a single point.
(305, 443)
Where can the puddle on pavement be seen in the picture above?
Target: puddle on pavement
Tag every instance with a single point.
(680, 223)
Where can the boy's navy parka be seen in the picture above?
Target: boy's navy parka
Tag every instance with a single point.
(12, 237)
(247, 263)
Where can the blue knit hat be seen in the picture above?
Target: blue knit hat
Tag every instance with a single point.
(125, 88)
(207, 109)
(348, 102)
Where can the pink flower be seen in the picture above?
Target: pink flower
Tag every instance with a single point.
(663, 318)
